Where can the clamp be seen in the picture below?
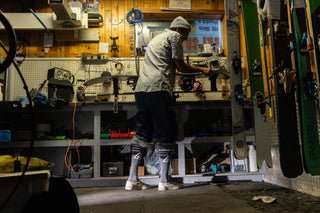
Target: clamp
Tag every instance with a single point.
(114, 45)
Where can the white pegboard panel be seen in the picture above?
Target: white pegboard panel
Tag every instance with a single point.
(122, 98)
(223, 85)
(205, 82)
(35, 71)
(193, 96)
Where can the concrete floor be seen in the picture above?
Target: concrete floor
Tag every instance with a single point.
(208, 197)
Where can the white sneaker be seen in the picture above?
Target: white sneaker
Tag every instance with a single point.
(130, 185)
(169, 186)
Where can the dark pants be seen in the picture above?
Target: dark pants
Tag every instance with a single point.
(155, 114)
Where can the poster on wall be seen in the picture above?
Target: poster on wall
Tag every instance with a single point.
(205, 32)
(180, 4)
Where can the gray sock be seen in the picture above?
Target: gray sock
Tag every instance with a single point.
(135, 161)
(164, 155)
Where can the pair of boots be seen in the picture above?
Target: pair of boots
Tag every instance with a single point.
(138, 150)
(138, 185)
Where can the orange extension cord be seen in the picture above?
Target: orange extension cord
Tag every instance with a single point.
(73, 142)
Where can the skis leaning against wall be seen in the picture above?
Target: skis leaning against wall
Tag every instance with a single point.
(251, 28)
(306, 86)
(288, 134)
(239, 143)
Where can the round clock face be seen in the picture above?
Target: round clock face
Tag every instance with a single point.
(59, 74)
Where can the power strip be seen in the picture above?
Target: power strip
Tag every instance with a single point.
(94, 59)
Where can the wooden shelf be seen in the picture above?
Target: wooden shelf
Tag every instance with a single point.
(158, 14)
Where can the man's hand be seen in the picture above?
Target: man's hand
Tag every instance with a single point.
(207, 71)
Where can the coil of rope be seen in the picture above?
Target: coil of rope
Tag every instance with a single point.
(135, 16)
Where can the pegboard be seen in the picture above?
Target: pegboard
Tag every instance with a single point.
(35, 70)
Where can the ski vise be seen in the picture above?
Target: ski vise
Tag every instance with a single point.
(214, 65)
(186, 82)
(132, 82)
(213, 81)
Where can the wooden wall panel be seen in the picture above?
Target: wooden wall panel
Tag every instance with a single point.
(209, 4)
(105, 31)
(114, 14)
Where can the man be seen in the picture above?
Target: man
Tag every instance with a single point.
(155, 113)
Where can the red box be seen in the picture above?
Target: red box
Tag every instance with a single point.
(114, 135)
(124, 135)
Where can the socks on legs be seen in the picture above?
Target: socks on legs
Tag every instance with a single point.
(138, 148)
(164, 154)
(137, 152)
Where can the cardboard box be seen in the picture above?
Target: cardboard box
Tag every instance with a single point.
(140, 170)
(190, 164)
(112, 169)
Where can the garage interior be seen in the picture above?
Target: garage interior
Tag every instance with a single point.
(81, 61)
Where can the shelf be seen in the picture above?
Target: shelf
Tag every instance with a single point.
(45, 143)
(27, 21)
(158, 14)
(98, 145)
(213, 139)
(114, 142)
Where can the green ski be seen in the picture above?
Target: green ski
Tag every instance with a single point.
(251, 27)
(314, 18)
(311, 147)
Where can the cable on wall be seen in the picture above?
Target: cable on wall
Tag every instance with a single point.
(10, 59)
(12, 43)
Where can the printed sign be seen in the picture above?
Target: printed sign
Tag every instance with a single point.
(206, 32)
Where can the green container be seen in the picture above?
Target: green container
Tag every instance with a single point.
(105, 136)
(62, 137)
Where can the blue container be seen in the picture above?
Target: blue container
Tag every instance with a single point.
(5, 136)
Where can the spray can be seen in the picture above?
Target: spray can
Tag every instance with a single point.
(252, 159)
